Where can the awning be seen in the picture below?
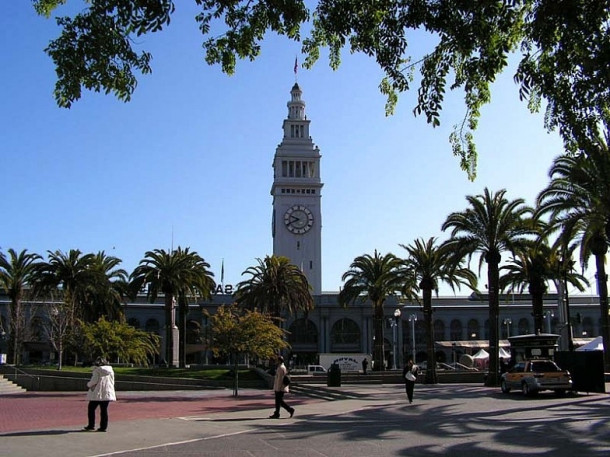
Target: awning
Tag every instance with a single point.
(470, 344)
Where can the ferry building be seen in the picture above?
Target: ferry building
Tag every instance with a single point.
(460, 323)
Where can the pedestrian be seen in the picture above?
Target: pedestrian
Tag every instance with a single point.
(101, 393)
(365, 364)
(503, 366)
(280, 388)
(409, 373)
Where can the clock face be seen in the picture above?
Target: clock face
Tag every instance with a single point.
(298, 219)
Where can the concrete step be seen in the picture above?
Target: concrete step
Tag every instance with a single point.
(8, 387)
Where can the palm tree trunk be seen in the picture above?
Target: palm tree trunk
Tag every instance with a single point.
(182, 311)
(537, 309)
(169, 327)
(602, 285)
(494, 321)
(16, 320)
(431, 370)
(378, 354)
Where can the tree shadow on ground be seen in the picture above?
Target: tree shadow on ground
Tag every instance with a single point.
(446, 421)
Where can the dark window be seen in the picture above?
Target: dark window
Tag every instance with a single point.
(544, 367)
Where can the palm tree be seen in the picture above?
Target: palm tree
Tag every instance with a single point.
(492, 224)
(106, 296)
(373, 278)
(173, 274)
(578, 202)
(430, 264)
(16, 275)
(72, 276)
(203, 289)
(275, 286)
(533, 267)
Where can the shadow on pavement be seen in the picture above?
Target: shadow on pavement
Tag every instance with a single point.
(42, 433)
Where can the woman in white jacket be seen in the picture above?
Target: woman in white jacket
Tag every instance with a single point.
(101, 393)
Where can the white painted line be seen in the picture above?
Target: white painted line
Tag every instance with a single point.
(176, 443)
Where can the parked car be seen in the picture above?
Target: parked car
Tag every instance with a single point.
(316, 369)
(532, 376)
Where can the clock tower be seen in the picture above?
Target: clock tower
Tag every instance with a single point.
(296, 224)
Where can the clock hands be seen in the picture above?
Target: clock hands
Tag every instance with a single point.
(298, 219)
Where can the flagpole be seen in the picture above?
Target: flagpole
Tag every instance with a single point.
(222, 274)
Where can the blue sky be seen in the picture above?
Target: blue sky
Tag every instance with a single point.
(188, 161)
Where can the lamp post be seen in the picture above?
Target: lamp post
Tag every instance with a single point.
(507, 322)
(548, 315)
(413, 319)
(453, 346)
(395, 327)
(567, 264)
(3, 347)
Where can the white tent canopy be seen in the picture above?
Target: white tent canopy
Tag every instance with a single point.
(596, 345)
(482, 354)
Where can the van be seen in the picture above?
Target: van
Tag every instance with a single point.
(315, 369)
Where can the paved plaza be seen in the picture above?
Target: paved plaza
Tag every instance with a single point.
(370, 420)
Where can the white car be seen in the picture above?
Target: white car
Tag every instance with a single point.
(316, 369)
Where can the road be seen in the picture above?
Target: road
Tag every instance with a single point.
(371, 420)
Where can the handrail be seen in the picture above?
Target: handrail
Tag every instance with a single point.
(24, 373)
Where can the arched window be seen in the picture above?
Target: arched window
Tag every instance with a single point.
(474, 330)
(193, 332)
(554, 325)
(439, 330)
(345, 336)
(420, 332)
(38, 330)
(135, 323)
(455, 330)
(152, 326)
(303, 331)
(524, 326)
(588, 330)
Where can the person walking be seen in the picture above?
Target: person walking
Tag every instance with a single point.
(101, 393)
(280, 388)
(365, 364)
(409, 373)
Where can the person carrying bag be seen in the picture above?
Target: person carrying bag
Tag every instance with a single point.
(410, 373)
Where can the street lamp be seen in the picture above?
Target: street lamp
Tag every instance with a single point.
(453, 346)
(567, 264)
(507, 322)
(395, 327)
(413, 319)
(548, 315)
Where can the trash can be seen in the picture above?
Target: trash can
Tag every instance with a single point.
(334, 376)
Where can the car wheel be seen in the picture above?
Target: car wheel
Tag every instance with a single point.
(525, 389)
(560, 392)
(504, 387)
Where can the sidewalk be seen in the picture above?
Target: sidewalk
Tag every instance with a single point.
(45, 410)
(49, 424)
(182, 423)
